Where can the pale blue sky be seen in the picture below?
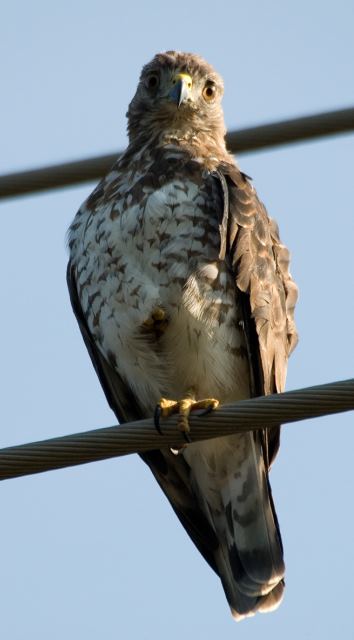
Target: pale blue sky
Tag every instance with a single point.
(95, 551)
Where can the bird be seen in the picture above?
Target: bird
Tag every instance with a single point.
(181, 288)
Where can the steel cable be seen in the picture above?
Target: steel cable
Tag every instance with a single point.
(109, 442)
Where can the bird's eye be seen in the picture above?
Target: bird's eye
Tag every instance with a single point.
(152, 81)
(209, 92)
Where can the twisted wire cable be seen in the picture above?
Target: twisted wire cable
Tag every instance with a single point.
(239, 141)
(257, 413)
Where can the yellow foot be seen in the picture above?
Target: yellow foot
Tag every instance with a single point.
(156, 323)
(166, 408)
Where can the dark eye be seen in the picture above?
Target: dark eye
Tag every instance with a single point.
(209, 91)
(152, 81)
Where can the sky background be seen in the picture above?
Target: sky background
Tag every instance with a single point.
(96, 551)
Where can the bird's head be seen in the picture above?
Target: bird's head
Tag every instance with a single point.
(178, 100)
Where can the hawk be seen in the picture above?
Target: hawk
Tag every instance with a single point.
(182, 292)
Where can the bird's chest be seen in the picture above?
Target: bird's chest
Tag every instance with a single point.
(161, 251)
(155, 292)
(170, 247)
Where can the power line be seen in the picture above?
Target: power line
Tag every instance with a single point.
(101, 444)
(239, 141)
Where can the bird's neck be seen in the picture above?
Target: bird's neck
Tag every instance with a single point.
(203, 145)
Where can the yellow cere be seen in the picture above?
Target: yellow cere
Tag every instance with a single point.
(185, 77)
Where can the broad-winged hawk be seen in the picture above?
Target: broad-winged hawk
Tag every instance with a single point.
(181, 288)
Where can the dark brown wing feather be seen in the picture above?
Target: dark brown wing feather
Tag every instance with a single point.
(260, 263)
(171, 472)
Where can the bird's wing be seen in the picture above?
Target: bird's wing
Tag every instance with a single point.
(170, 471)
(260, 263)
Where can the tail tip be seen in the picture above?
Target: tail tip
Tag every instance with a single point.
(265, 604)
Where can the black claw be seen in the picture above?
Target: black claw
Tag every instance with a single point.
(206, 411)
(157, 416)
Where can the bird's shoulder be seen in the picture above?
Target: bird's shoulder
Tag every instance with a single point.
(260, 263)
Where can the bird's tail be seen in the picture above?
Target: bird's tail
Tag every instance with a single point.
(239, 505)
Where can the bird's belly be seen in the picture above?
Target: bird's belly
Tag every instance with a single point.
(203, 342)
(198, 345)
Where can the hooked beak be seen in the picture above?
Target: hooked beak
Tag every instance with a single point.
(182, 88)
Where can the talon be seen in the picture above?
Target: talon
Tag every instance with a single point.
(183, 407)
(213, 405)
(157, 415)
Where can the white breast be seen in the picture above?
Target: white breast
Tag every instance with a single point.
(165, 255)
